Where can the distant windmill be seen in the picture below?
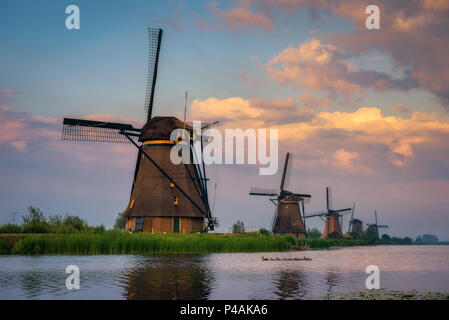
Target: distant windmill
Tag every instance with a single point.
(356, 224)
(332, 226)
(165, 197)
(374, 226)
(287, 218)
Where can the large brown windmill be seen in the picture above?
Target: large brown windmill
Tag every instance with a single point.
(331, 218)
(287, 218)
(165, 197)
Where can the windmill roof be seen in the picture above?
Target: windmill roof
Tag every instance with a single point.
(160, 128)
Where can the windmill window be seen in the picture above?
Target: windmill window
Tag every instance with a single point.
(176, 201)
(172, 185)
(139, 224)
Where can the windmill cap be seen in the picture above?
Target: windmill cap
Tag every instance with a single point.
(160, 128)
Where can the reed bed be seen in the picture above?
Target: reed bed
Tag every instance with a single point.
(326, 243)
(115, 242)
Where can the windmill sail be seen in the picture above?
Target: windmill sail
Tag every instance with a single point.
(97, 131)
(155, 37)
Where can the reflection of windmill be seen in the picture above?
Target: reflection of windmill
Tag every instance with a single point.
(356, 224)
(164, 197)
(374, 226)
(332, 226)
(287, 218)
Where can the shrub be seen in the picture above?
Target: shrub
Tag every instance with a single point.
(10, 228)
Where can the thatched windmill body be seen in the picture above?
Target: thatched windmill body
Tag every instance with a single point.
(374, 227)
(165, 197)
(287, 218)
(331, 218)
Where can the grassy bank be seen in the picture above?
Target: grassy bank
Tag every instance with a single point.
(120, 242)
(116, 242)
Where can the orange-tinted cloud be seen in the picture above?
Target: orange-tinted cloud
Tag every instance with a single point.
(240, 18)
(344, 137)
(318, 66)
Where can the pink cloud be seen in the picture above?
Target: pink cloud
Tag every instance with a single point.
(413, 33)
(20, 131)
(249, 79)
(319, 66)
(240, 18)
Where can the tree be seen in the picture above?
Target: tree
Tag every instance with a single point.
(34, 216)
(385, 237)
(264, 232)
(120, 221)
(238, 227)
(429, 238)
(371, 235)
(34, 221)
(313, 233)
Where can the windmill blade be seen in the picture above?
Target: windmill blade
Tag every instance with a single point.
(352, 217)
(375, 216)
(263, 192)
(296, 196)
(327, 199)
(97, 131)
(382, 226)
(155, 37)
(284, 172)
(303, 215)
(302, 195)
(341, 210)
(318, 214)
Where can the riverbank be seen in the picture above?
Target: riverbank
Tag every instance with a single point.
(117, 242)
(120, 242)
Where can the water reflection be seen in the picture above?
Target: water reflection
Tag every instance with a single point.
(226, 276)
(291, 284)
(170, 277)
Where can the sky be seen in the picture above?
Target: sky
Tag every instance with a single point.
(364, 112)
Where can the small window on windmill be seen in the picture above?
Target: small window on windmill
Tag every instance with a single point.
(139, 224)
(175, 201)
(172, 185)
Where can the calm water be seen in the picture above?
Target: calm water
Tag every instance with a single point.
(225, 276)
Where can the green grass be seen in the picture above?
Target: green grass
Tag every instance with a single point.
(115, 242)
(325, 243)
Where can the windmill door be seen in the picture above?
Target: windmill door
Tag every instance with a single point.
(175, 224)
(139, 224)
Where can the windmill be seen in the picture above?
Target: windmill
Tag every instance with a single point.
(332, 226)
(287, 218)
(356, 224)
(164, 197)
(374, 227)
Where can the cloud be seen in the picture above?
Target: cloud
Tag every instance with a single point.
(250, 80)
(318, 66)
(20, 131)
(400, 108)
(345, 158)
(241, 19)
(6, 94)
(367, 132)
(413, 33)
